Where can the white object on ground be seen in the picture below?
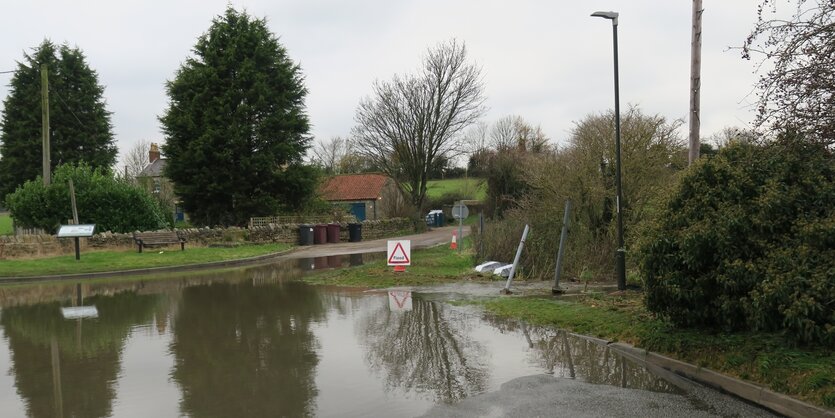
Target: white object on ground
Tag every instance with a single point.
(503, 271)
(488, 267)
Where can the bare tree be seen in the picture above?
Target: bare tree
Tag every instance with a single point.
(476, 137)
(514, 132)
(329, 154)
(505, 132)
(412, 120)
(136, 159)
(798, 92)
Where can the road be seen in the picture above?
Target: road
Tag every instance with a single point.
(431, 238)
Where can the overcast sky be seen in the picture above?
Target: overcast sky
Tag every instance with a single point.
(546, 61)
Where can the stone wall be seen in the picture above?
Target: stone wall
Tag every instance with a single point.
(46, 245)
(33, 246)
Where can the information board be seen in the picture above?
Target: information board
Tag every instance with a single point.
(72, 231)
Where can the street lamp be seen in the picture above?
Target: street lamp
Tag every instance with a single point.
(620, 256)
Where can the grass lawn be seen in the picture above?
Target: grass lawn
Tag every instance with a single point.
(6, 224)
(472, 188)
(807, 373)
(96, 261)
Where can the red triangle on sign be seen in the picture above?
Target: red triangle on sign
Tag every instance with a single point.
(397, 248)
(400, 303)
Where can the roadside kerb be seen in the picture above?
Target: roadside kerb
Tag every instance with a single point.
(751, 392)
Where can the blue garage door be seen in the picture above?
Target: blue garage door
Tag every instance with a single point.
(358, 210)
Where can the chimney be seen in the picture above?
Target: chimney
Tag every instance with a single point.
(153, 154)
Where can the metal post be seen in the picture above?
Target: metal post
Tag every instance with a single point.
(620, 256)
(77, 249)
(563, 235)
(460, 229)
(481, 235)
(621, 252)
(506, 289)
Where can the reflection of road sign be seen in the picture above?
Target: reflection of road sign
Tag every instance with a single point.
(399, 253)
(400, 300)
(69, 231)
(76, 312)
(460, 211)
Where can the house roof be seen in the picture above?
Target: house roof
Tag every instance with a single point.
(353, 187)
(155, 169)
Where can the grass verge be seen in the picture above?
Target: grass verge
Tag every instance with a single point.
(6, 224)
(99, 261)
(429, 266)
(807, 373)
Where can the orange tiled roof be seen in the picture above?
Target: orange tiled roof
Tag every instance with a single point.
(353, 187)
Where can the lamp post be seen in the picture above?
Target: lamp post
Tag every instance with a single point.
(620, 254)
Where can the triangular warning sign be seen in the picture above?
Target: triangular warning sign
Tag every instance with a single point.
(399, 256)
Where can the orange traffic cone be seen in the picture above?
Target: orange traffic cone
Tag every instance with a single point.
(454, 244)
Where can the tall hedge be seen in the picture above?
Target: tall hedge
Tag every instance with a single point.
(747, 241)
(110, 203)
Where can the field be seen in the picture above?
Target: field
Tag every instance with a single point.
(471, 188)
(5, 224)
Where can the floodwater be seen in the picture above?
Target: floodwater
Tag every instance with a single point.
(257, 342)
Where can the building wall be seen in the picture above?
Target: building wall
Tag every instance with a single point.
(162, 189)
(372, 211)
(392, 204)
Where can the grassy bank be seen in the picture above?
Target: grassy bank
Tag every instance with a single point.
(472, 188)
(429, 266)
(6, 224)
(97, 261)
(806, 373)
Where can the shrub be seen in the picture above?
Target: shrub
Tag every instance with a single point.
(582, 171)
(112, 204)
(747, 241)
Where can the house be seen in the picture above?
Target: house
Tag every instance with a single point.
(367, 196)
(152, 178)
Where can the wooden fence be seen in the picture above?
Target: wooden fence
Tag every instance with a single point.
(18, 231)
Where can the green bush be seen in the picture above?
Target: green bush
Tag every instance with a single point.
(747, 241)
(112, 204)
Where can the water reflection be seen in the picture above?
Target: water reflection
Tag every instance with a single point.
(257, 342)
(242, 350)
(69, 367)
(335, 261)
(425, 350)
(565, 355)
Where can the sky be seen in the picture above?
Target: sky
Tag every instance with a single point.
(546, 61)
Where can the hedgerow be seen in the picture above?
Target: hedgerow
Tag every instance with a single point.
(747, 241)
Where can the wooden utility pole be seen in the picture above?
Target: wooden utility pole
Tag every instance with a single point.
(47, 176)
(695, 79)
(74, 208)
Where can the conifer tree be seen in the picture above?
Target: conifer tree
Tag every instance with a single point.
(236, 128)
(80, 128)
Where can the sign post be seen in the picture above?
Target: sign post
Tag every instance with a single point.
(460, 211)
(76, 232)
(399, 254)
